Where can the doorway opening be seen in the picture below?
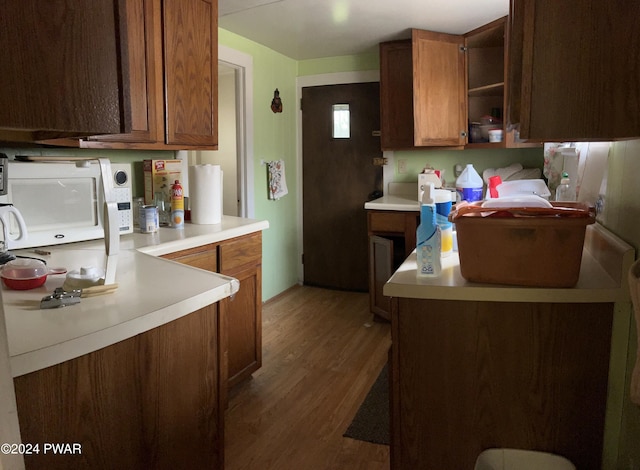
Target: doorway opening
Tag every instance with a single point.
(235, 133)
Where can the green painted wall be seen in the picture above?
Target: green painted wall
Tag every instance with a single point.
(347, 63)
(274, 138)
(481, 159)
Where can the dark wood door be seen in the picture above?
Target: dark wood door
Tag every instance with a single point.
(338, 178)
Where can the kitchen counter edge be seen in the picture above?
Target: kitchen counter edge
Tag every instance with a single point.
(140, 246)
(605, 261)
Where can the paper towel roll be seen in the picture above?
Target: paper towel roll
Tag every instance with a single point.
(205, 194)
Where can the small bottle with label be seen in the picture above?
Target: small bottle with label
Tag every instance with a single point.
(177, 205)
(564, 191)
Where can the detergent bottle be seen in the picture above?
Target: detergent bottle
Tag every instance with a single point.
(428, 239)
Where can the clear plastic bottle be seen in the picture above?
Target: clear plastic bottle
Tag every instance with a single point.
(428, 247)
(564, 191)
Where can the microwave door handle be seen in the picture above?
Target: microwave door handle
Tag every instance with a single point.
(110, 222)
(111, 229)
(111, 241)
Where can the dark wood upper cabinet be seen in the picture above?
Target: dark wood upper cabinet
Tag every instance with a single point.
(174, 77)
(191, 72)
(64, 69)
(422, 95)
(173, 61)
(574, 70)
(145, 72)
(434, 85)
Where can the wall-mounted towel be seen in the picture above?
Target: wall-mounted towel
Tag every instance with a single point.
(634, 287)
(276, 179)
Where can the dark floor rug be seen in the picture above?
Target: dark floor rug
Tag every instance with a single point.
(371, 422)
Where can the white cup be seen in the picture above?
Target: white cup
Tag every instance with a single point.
(495, 135)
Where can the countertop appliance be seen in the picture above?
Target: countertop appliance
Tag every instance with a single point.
(63, 201)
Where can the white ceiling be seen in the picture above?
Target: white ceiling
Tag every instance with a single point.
(311, 29)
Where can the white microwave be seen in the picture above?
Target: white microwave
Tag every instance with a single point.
(62, 202)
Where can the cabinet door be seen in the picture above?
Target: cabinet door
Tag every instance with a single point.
(191, 72)
(439, 92)
(396, 95)
(150, 401)
(243, 321)
(62, 69)
(145, 72)
(575, 80)
(380, 270)
(242, 258)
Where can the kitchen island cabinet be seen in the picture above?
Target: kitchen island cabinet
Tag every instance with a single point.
(151, 401)
(240, 258)
(477, 375)
(576, 82)
(477, 366)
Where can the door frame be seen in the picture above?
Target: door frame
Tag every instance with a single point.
(243, 65)
(339, 78)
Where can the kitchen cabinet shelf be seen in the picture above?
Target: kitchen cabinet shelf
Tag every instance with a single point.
(495, 89)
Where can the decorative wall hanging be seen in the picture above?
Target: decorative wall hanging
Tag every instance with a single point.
(276, 180)
(276, 102)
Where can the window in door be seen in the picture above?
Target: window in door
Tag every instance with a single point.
(341, 121)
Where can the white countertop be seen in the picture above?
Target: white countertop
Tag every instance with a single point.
(605, 261)
(151, 291)
(393, 202)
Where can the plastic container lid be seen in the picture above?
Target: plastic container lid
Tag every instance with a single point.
(21, 268)
(86, 276)
(442, 195)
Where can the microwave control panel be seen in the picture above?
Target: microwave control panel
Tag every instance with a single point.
(122, 192)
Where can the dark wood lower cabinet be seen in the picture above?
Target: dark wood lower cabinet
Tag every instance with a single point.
(467, 376)
(243, 316)
(153, 401)
(241, 337)
(392, 237)
(381, 267)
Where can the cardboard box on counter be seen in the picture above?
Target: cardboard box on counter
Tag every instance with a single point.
(159, 175)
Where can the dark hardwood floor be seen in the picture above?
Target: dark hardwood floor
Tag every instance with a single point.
(322, 351)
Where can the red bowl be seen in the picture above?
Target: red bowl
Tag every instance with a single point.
(23, 274)
(24, 284)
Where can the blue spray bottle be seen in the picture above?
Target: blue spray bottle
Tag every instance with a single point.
(428, 239)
